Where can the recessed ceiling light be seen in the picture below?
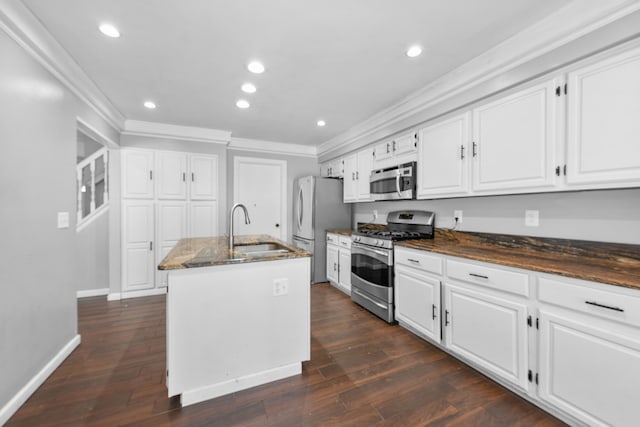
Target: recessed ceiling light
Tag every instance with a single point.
(248, 88)
(243, 104)
(109, 30)
(256, 67)
(414, 51)
(150, 105)
(321, 123)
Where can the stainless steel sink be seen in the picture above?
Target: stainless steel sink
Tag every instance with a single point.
(261, 249)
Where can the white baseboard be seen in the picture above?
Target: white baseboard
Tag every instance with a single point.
(92, 293)
(115, 296)
(18, 400)
(205, 393)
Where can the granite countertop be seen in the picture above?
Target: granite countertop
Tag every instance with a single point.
(208, 251)
(611, 263)
(339, 231)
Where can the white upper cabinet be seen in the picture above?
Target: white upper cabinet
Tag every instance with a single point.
(442, 158)
(137, 174)
(357, 170)
(204, 177)
(172, 175)
(399, 150)
(514, 141)
(332, 169)
(603, 118)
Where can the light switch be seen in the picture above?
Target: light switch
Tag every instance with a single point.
(63, 219)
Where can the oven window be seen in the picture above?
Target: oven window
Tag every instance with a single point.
(372, 270)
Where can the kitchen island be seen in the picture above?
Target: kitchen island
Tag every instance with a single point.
(235, 318)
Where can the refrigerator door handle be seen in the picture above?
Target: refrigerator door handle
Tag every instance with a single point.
(300, 207)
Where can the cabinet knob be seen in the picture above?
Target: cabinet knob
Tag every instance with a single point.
(277, 225)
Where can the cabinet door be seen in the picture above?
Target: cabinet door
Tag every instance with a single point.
(404, 144)
(172, 226)
(514, 140)
(418, 302)
(172, 175)
(137, 174)
(203, 219)
(204, 177)
(344, 270)
(137, 238)
(488, 330)
(383, 151)
(350, 168)
(590, 368)
(442, 158)
(332, 264)
(363, 172)
(603, 126)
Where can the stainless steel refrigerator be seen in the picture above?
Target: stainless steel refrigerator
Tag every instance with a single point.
(318, 206)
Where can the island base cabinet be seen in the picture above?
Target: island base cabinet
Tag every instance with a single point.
(231, 327)
(490, 331)
(587, 370)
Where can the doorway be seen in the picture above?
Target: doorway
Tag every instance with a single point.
(261, 185)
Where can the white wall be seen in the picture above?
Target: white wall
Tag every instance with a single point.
(607, 215)
(92, 253)
(297, 166)
(38, 311)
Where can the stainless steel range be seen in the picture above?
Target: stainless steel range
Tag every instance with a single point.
(372, 259)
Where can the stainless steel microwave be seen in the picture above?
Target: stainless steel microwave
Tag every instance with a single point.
(394, 183)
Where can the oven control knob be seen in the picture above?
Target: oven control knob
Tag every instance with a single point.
(379, 242)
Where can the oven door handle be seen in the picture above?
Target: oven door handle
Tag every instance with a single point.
(360, 294)
(366, 248)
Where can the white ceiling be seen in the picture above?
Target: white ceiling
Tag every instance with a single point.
(339, 60)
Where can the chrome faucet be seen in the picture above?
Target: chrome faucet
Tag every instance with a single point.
(246, 221)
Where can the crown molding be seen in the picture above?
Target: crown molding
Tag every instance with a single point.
(575, 20)
(185, 133)
(24, 28)
(272, 147)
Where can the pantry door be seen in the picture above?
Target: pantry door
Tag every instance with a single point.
(261, 185)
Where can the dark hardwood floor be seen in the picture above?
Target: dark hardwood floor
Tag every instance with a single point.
(362, 372)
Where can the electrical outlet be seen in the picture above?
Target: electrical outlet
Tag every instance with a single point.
(532, 218)
(375, 214)
(457, 214)
(280, 287)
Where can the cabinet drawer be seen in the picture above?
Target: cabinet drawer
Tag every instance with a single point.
(332, 238)
(345, 242)
(419, 259)
(494, 278)
(611, 303)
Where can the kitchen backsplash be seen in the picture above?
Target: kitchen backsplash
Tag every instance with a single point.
(605, 215)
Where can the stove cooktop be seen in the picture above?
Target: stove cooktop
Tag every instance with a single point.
(392, 235)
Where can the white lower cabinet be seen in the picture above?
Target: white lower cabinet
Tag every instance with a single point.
(489, 330)
(339, 261)
(417, 300)
(332, 263)
(344, 270)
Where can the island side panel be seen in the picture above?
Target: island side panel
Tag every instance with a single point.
(225, 322)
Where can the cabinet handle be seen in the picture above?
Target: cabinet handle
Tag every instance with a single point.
(413, 260)
(151, 175)
(557, 170)
(433, 311)
(353, 176)
(150, 246)
(608, 307)
(478, 275)
(462, 152)
(184, 176)
(446, 318)
(565, 170)
(387, 147)
(193, 177)
(335, 268)
(475, 149)
(358, 175)
(394, 146)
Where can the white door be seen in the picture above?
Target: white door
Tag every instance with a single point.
(137, 238)
(333, 260)
(363, 172)
(418, 302)
(588, 370)
(350, 189)
(442, 158)
(488, 330)
(514, 140)
(344, 270)
(261, 185)
(204, 177)
(172, 226)
(603, 126)
(203, 219)
(137, 174)
(172, 175)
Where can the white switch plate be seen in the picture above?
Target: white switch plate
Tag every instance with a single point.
(280, 287)
(531, 218)
(457, 214)
(63, 219)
